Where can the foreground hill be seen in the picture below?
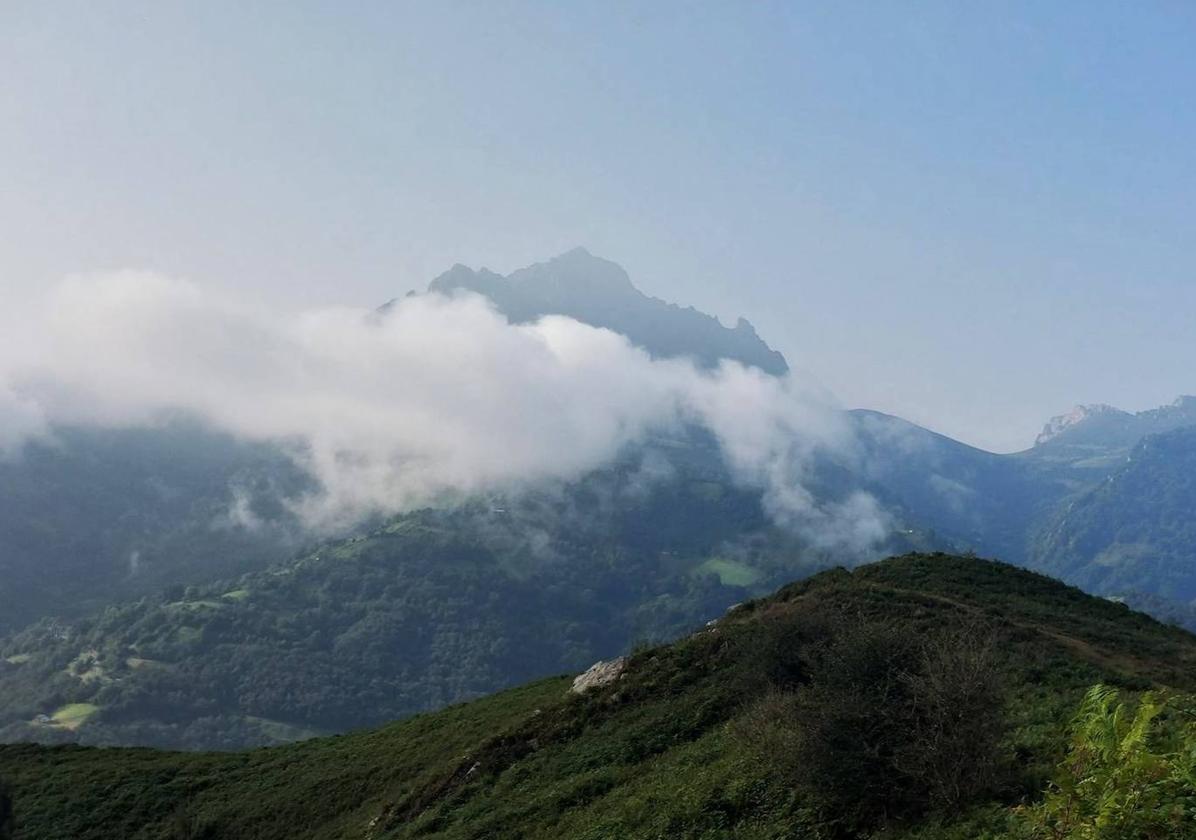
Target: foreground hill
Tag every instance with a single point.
(667, 749)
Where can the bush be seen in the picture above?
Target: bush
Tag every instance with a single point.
(886, 726)
(775, 653)
(957, 697)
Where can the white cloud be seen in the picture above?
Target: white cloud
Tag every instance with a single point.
(437, 396)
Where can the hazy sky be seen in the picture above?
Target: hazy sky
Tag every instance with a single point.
(972, 215)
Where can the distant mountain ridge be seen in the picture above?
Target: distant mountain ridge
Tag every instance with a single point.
(599, 292)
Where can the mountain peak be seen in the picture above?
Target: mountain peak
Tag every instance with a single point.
(576, 253)
(599, 292)
(576, 272)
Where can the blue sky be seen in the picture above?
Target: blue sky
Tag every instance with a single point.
(972, 215)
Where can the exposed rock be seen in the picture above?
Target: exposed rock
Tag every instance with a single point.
(1058, 425)
(599, 674)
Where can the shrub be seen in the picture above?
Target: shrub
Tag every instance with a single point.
(775, 653)
(957, 711)
(886, 726)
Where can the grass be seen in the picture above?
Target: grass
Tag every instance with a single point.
(73, 715)
(729, 572)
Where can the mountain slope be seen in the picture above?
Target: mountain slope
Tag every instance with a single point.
(431, 608)
(441, 606)
(1103, 501)
(96, 515)
(655, 753)
(971, 499)
(92, 516)
(598, 292)
(1135, 532)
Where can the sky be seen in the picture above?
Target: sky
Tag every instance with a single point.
(970, 215)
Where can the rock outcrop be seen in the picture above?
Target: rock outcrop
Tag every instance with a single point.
(599, 674)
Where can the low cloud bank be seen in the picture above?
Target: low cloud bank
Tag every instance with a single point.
(433, 398)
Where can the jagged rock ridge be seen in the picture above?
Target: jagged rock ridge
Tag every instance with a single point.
(1111, 427)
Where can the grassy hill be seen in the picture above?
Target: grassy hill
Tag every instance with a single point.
(666, 750)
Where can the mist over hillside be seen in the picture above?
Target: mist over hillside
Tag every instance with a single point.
(430, 399)
(272, 429)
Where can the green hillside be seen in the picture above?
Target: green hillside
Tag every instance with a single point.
(675, 747)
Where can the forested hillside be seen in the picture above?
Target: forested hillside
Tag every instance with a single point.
(430, 608)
